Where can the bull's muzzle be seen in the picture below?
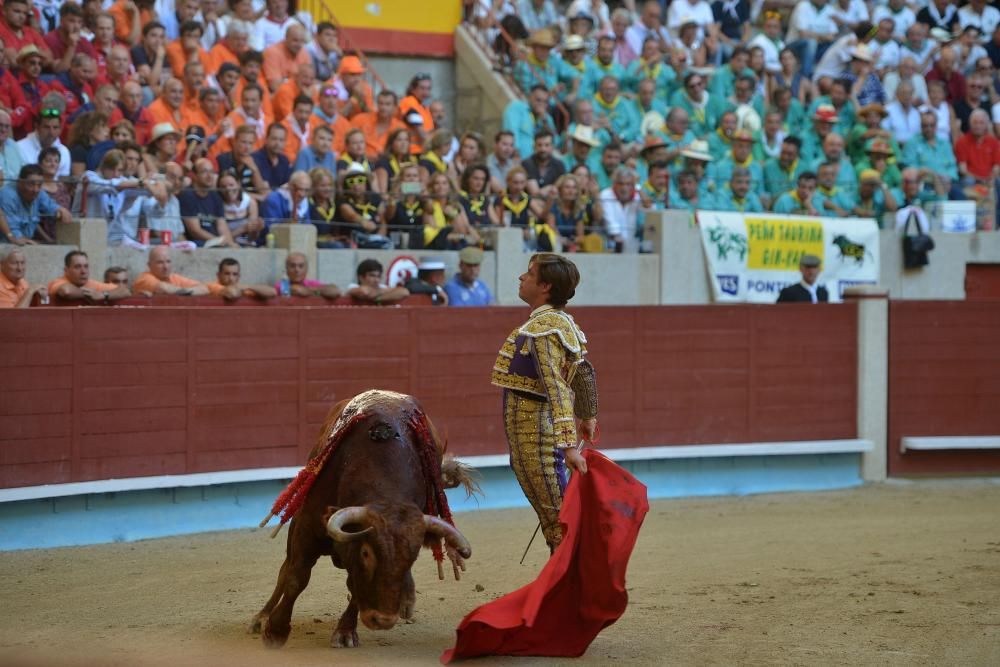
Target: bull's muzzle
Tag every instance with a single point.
(375, 620)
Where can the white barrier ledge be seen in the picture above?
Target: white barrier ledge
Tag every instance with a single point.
(488, 461)
(950, 442)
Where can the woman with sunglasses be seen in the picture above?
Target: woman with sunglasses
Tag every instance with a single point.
(445, 225)
(418, 100)
(359, 210)
(389, 166)
(405, 211)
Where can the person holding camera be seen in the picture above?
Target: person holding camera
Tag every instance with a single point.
(404, 210)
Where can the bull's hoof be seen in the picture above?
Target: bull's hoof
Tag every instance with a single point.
(274, 637)
(256, 623)
(345, 639)
(406, 610)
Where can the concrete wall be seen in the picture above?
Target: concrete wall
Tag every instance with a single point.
(481, 93)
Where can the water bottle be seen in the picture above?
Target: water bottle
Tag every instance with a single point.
(269, 240)
(285, 287)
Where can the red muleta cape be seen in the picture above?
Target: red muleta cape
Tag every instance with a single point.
(581, 590)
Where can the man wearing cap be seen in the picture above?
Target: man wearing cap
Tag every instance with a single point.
(549, 390)
(738, 196)
(801, 200)
(46, 134)
(429, 280)
(806, 291)
(282, 59)
(65, 41)
(581, 145)
(654, 151)
(542, 168)
(740, 156)
(812, 140)
(539, 67)
(838, 100)
(353, 93)
(525, 118)
(880, 157)
(781, 173)
(696, 160)
(465, 288)
(868, 128)
(874, 198)
(572, 67)
(29, 82)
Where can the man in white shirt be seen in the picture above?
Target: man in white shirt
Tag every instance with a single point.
(621, 205)
(903, 118)
(46, 134)
(901, 15)
(984, 17)
(814, 30)
(649, 25)
(698, 11)
(884, 48)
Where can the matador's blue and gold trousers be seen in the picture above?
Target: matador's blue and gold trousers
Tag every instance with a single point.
(539, 466)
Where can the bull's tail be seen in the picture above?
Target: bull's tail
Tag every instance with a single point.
(454, 473)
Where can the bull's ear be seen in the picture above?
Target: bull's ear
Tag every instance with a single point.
(330, 509)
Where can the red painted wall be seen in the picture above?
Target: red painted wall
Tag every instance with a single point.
(94, 393)
(944, 379)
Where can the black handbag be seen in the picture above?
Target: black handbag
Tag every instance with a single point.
(915, 247)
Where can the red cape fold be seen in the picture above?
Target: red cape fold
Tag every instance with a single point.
(581, 589)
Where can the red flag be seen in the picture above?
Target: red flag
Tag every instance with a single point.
(581, 590)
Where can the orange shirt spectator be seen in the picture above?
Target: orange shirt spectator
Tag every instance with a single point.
(219, 56)
(326, 111)
(237, 92)
(90, 284)
(186, 47)
(167, 107)
(11, 292)
(412, 104)
(295, 138)
(147, 282)
(123, 20)
(282, 59)
(375, 136)
(284, 97)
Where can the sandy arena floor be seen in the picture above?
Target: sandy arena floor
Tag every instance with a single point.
(896, 574)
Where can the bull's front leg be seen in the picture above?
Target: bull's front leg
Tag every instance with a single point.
(296, 573)
(345, 635)
(258, 620)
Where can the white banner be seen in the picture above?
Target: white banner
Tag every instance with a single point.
(752, 256)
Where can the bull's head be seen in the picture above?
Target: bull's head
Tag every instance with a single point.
(377, 545)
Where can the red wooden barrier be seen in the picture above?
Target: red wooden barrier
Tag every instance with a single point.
(944, 379)
(94, 393)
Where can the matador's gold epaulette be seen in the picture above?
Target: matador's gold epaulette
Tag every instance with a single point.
(559, 323)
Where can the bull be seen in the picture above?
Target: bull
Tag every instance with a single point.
(366, 510)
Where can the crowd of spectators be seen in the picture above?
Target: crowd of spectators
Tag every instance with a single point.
(200, 123)
(839, 108)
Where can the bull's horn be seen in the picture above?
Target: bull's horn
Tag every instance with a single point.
(345, 516)
(452, 537)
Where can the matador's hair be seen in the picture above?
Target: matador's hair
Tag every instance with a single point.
(559, 273)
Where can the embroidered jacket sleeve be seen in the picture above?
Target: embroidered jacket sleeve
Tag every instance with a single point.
(550, 357)
(584, 385)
